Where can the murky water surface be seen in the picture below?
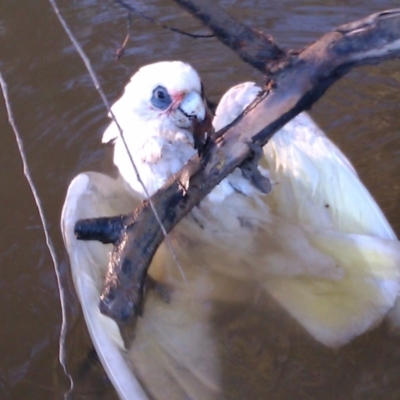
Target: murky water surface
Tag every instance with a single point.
(61, 119)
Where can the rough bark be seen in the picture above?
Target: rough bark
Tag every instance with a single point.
(295, 82)
(253, 47)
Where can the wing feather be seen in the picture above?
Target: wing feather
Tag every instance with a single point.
(319, 196)
(90, 195)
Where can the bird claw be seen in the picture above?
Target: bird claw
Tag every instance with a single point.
(251, 172)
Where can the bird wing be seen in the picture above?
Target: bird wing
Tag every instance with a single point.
(317, 171)
(318, 187)
(168, 354)
(336, 311)
(90, 195)
(319, 201)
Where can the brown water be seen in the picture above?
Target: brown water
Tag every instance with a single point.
(61, 119)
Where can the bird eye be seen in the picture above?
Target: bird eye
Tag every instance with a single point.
(160, 94)
(161, 98)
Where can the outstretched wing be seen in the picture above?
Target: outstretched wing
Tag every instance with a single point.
(91, 195)
(317, 190)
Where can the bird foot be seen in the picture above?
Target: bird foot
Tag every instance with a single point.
(251, 172)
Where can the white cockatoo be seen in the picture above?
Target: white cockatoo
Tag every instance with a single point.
(317, 243)
(155, 115)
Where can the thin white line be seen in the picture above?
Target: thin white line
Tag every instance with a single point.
(49, 242)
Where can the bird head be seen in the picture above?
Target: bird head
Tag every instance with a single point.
(168, 93)
(168, 90)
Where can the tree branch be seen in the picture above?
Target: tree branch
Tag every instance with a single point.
(292, 88)
(251, 46)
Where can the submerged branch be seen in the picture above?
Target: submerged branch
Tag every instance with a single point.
(292, 88)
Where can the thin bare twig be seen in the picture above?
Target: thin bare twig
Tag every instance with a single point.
(252, 46)
(120, 52)
(49, 242)
(96, 83)
(153, 21)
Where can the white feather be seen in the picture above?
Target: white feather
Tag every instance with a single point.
(317, 189)
(90, 195)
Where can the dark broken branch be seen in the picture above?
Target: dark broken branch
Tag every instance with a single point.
(251, 46)
(292, 89)
(134, 10)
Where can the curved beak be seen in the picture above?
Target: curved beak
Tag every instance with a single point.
(188, 108)
(192, 105)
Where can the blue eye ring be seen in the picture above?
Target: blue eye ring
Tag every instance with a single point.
(161, 98)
